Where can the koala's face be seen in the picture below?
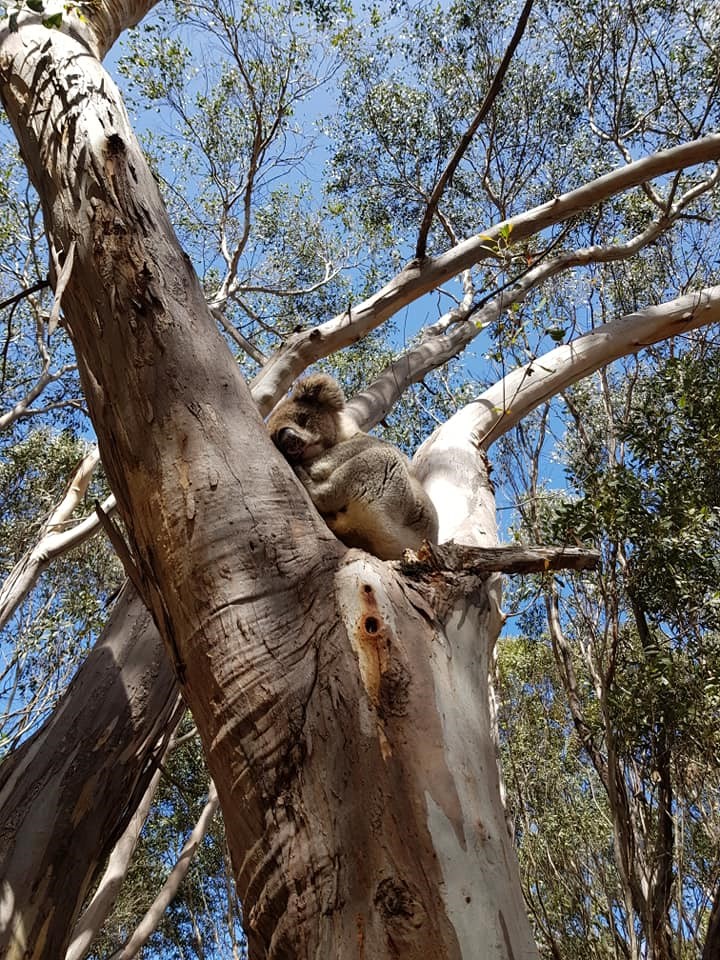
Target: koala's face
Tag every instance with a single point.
(302, 430)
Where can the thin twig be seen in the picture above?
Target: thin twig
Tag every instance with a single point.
(466, 139)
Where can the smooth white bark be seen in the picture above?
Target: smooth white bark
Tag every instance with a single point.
(497, 410)
(417, 279)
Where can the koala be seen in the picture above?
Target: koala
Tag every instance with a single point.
(363, 487)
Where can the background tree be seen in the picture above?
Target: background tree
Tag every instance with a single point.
(624, 668)
(311, 674)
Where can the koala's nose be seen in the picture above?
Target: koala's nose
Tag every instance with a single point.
(289, 442)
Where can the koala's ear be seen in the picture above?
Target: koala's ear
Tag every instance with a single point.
(320, 390)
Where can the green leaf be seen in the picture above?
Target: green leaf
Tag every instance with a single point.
(556, 333)
(36, 5)
(54, 22)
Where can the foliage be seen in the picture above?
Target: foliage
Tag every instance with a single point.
(641, 461)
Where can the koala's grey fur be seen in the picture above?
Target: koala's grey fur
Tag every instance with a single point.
(363, 487)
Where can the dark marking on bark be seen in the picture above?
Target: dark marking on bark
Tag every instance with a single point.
(402, 912)
(394, 691)
(506, 936)
(290, 763)
(360, 936)
(394, 899)
(115, 145)
(371, 625)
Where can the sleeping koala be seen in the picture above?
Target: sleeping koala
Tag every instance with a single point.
(363, 487)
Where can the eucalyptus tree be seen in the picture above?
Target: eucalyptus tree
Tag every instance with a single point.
(345, 705)
(624, 668)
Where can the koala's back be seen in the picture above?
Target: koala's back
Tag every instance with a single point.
(378, 505)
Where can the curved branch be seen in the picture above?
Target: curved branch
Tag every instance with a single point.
(512, 398)
(54, 538)
(416, 279)
(451, 451)
(23, 409)
(438, 346)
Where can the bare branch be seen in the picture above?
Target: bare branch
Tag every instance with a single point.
(330, 274)
(508, 558)
(513, 397)
(466, 139)
(91, 920)
(437, 347)
(417, 279)
(16, 298)
(22, 408)
(452, 450)
(245, 345)
(55, 538)
(154, 915)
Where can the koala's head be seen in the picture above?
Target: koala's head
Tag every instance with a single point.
(310, 420)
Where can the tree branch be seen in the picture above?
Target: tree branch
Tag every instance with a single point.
(154, 915)
(417, 279)
(91, 920)
(467, 137)
(498, 409)
(508, 558)
(54, 539)
(468, 320)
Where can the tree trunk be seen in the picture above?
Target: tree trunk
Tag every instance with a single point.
(68, 792)
(346, 719)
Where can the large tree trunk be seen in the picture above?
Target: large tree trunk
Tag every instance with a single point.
(67, 793)
(346, 719)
